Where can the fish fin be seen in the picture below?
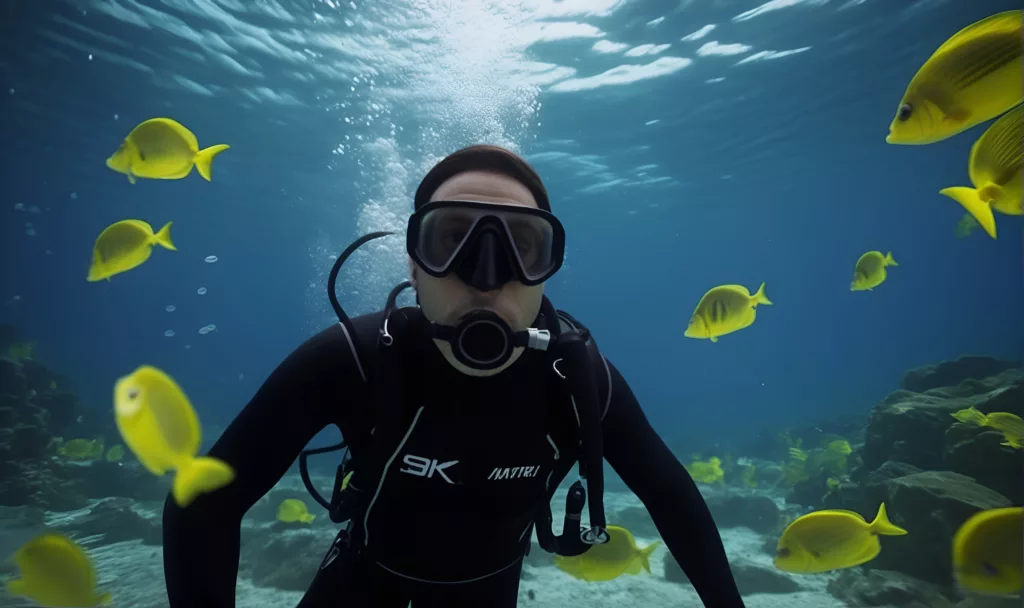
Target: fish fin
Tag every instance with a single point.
(973, 203)
(204, 160)
(882, 525)
(16, 587)
(645, 555)
(163, 238)
(308, 518)
(197, 476)
(713, 338)
(889, 261)
(131, 179)
(1005, 21)
(760, 297)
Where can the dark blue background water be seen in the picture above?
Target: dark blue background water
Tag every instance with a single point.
(784, 177)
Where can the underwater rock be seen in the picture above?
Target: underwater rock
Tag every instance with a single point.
(61, 408)
(976, 452)
(12, 381)
(931, 506)
(750, 577)
(116, 521)
(102, 479)
(28, 442)
(909, 427)
(951, 373)
(37, 377)
(754, 511)
(809, 491)
(18, 525)
(858, 587)
(42, 485)
(286, 560)
(637, 520)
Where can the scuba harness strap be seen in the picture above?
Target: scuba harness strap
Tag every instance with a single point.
(571, 352)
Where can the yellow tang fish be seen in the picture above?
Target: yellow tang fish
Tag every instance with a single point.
(160, 427)
(723, 310)
(125, 245)
(870, 271)
(970, 415)
(832, 539)
(973, 77)
(56, 572)
(162, 148)
(292, 510)
(607, 561)
(988, 552)
(994, 167)
(1005, 422)
(81, 449)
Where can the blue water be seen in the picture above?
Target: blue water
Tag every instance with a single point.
(779, 173)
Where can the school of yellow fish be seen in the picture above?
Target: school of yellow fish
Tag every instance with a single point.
(973, 77)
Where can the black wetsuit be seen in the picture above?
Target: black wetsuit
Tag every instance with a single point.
(451, 519)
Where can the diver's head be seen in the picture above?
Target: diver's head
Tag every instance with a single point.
(482, 238)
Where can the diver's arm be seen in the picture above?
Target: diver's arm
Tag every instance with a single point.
(301, 397)
(653, 473)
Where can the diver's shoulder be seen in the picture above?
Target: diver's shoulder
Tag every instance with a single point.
(354, 341)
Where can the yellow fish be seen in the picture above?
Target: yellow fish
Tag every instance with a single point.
(115, 454)
(162, 148)
(970, 415)
(56, 572)
(81, 449)
(1005, 422)
(160, 427)
(607, 561)
(749, 476)
(870, 270)
(832, 539)
(832, 483)
(973, 77)
(723, 310)
(994, 167)
(706, 472)
(988, 551)
(125, 245)
(840, 446)
(292, 510)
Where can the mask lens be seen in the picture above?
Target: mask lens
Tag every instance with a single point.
(442, 232)
(533, 238)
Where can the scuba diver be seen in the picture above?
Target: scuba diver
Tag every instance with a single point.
(460, 418)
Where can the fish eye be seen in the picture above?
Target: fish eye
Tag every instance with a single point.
(133, 394)
(782, 552)
(905, 112)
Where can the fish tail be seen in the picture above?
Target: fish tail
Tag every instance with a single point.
(760, 297)
(973, 202)
(204, 160)
(883, 526)
(163, 238)
(197, 476)
(645, 555)
(889, 261)
(308, 518)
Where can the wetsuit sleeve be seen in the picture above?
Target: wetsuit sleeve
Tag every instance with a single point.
(654, 474)
(300, 398)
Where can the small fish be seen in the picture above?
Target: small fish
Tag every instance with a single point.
(162, 148)
(21, 351)
(115, 454)
(344, 482)
(723, 310)
(973, 77)
(870, 271)
(965, 227)
(831, 540)
(56, 572)
(1010, 425)
(160, 427)
(988, 551)
(970, 415)
(797, 454)
(604, 562)
(125, 245)
(840, 446)
(80, 449)
(994, 167)
(709, 471)
(292, 510)
(832, 483)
